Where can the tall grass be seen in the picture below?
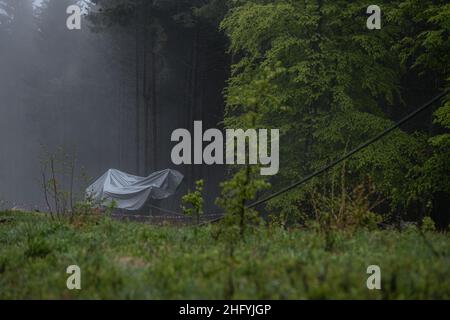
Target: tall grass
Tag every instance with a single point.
(123, 260)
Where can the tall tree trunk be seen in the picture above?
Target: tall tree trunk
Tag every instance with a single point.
(146, 94)
(154, 103)
(137, 133)
(193, 93)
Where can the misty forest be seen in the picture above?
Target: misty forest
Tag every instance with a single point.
(76, 103)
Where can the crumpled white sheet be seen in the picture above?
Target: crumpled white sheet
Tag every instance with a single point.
(131, 192)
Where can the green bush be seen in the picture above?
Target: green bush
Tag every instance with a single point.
(428, 225)
(37, 247)
(193, 202)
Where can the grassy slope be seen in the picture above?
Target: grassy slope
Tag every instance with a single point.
(129, 260)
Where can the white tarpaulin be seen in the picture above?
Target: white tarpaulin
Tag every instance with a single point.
(131, 192)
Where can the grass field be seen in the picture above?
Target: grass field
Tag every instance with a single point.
(122, 260)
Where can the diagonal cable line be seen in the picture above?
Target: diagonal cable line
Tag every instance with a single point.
(352, 152)
(336, 162)
(349, 154)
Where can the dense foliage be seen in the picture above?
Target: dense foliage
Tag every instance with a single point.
(314, 70)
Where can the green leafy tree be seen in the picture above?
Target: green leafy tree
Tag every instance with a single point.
(424, 51)
(329, 85)
(236, 196)
(193, 202)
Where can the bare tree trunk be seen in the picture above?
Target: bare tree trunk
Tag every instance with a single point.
(193, 93)
(146, 99)
(137, 138)
(45, 189)
(154, 103)
(55, 188)
(72, 177)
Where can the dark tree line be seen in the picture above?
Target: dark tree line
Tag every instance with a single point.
(180, 70)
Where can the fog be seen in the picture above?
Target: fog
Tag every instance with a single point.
(80, 89)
